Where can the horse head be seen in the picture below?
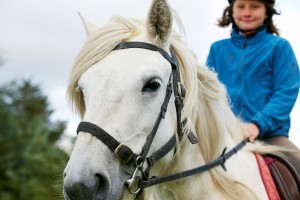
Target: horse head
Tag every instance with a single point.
(123, 91)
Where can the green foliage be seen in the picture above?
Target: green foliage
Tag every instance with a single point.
(31, 163)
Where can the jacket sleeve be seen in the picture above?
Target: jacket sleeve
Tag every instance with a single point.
(286, 80)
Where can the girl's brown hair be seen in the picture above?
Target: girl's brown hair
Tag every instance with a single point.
(227, 19)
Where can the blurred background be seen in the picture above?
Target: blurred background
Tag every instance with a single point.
(38, 44)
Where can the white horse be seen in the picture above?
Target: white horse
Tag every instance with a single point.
(122, 82)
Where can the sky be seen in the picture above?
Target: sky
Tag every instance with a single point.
(39, 40)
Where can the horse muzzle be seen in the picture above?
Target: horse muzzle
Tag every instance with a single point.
(93, 186)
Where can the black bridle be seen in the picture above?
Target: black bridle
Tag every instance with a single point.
(140, 179)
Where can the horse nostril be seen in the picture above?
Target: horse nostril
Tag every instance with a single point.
(103, 184)
(101, 180)
(79, 190)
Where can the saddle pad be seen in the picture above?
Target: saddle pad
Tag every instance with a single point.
(267, 178)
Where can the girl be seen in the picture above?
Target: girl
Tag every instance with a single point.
(260, 71)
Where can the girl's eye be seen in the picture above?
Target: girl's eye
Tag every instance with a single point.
(151, 86)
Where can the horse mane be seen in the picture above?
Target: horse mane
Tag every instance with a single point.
(206, 107)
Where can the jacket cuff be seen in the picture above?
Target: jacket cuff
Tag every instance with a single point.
(259, 128)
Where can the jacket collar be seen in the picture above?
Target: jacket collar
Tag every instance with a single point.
(243, 40)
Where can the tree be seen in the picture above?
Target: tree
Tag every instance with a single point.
(31, 163)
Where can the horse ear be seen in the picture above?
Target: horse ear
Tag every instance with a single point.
(89, 26)
(160, 21)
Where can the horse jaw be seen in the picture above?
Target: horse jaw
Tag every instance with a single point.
(89, 26)
(159, 22)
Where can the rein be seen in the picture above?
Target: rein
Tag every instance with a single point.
(219, 161)
(139, 179)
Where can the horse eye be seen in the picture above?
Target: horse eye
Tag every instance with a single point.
(151, 86)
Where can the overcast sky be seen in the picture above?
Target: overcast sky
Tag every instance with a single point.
(39, 39)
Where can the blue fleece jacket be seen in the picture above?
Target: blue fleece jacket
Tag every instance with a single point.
(261, 74)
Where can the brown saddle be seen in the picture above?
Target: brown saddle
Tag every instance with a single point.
(285, 176)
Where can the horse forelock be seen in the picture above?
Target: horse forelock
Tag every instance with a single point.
(97, 46)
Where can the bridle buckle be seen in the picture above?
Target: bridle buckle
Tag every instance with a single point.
(124, 153)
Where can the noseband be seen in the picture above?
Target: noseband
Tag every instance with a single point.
(139, 179)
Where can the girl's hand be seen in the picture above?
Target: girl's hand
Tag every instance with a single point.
(251, 130)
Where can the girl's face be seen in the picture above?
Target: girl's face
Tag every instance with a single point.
(249, 14)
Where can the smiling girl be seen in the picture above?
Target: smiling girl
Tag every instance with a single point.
(260, 71)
